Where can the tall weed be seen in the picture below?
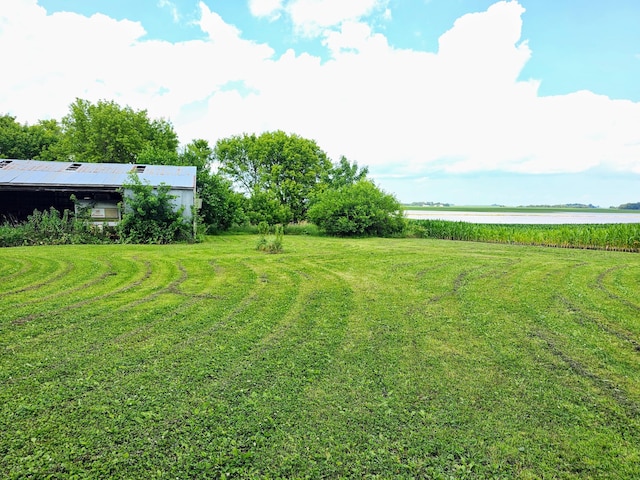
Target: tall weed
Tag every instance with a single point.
(273, 244)
(50, 227)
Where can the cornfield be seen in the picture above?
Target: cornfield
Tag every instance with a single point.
(619, 236)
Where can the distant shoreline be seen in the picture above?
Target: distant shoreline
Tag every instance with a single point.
(524, 216)
(500, 209)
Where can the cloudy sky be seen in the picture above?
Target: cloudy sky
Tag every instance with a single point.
(472, 102)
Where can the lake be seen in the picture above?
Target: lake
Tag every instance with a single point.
(546, 218)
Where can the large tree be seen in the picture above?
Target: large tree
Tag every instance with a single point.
(239, 160)
(344, 173)
(274, 165)
(28, 141)
(106, 132)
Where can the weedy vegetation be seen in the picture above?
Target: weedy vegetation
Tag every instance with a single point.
(267, 243)
(50, 227)
(339, 358)
(618, 236)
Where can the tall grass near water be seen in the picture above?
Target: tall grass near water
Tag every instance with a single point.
(619, 237)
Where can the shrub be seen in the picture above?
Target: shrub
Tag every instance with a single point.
(12, 235)
(357, 209)
(150, 216)
(264, 206)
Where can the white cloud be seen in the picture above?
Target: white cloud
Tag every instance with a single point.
(171, 7)
(312, 17)
(56, 57)
(354, 37)
(403, 112)
(265, 8)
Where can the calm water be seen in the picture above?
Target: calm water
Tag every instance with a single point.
(551, 218)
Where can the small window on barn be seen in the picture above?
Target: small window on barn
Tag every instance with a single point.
(73, 167)
(138, 168)
(4, 163)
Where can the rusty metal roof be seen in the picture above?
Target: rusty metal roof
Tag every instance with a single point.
(36, 173)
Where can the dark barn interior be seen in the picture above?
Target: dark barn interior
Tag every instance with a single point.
(17, 204)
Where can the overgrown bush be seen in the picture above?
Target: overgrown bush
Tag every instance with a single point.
(150, 216)
(264, 206)
(12, 235)
(50, 227)
(359, 209)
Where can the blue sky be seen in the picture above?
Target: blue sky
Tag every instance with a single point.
(460, 101)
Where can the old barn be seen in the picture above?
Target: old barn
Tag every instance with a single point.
(27, 185)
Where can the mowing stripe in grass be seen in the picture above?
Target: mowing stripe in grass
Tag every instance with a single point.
(387, 358)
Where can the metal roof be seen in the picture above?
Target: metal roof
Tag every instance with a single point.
(36, 173)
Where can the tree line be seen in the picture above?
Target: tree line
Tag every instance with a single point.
(274, 177)
(630, 206)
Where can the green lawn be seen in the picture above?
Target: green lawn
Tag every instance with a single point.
(365, 358)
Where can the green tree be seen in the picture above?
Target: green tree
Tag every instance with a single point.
(274, 167)
(345, 173)
(222, 207)
(357, 209)
(630, 206)
(12, 138)
(106, 132)
(198, 154)
(152, 155)
(45, 137)
(240, 161)
(28, 141)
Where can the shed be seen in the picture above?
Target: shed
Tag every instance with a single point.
(27, 185)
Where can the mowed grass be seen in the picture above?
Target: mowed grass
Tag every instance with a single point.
(364, 358)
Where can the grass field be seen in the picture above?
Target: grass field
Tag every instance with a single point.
(365, 358)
